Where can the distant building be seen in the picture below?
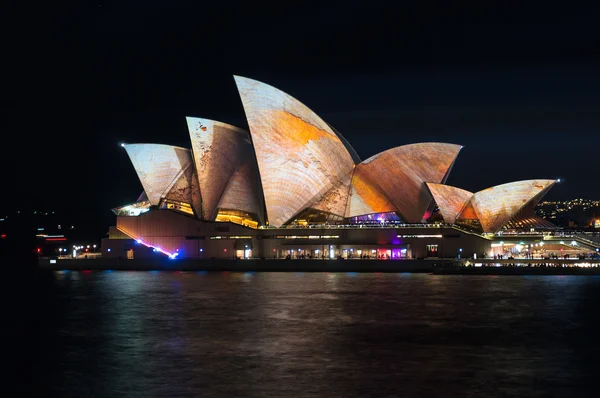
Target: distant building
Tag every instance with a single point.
(575, 213)
(294, 187)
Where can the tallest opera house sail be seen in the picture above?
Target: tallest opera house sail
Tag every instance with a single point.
(300, 158)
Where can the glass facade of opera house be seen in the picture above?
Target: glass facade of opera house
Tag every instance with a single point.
(292, 186)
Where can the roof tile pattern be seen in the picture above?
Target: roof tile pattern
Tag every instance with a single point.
(450, 200)
(495, 206)
(157, 166)
(299, 157)
(401, 174)
(219, 149)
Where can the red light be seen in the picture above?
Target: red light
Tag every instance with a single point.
(39, 250)
(224, 250)
(86, 250)
(274, 250)
(3, 236)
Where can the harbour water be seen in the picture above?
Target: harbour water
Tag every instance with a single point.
(222, 334)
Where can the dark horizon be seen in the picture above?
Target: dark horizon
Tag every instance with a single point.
(518, 89)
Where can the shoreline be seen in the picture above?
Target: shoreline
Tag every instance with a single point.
(431, 266)
(233, 265)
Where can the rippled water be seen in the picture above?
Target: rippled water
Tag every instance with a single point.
(194, 334)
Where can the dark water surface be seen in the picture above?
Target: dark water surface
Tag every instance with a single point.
(194, 334)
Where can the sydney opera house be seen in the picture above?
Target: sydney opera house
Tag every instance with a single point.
(292, 186)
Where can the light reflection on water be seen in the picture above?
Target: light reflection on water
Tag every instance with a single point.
(252, 334)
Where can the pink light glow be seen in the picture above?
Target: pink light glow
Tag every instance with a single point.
(158, 249)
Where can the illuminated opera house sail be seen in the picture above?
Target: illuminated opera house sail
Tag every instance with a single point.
(292, 169)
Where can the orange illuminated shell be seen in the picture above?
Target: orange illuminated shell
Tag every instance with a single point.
(300, 158)
(451, 201)
(495, 206)
(401, 173)
(365, 196)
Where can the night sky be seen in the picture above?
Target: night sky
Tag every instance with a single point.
(518, 87)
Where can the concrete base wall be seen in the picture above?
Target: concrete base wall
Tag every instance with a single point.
(195, 239)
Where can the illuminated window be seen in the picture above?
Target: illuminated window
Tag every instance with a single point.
(377, 218)
(231, 237)
(432, 250)
(237, 217)
(419, 236)
(177, 206)
(307, 236)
